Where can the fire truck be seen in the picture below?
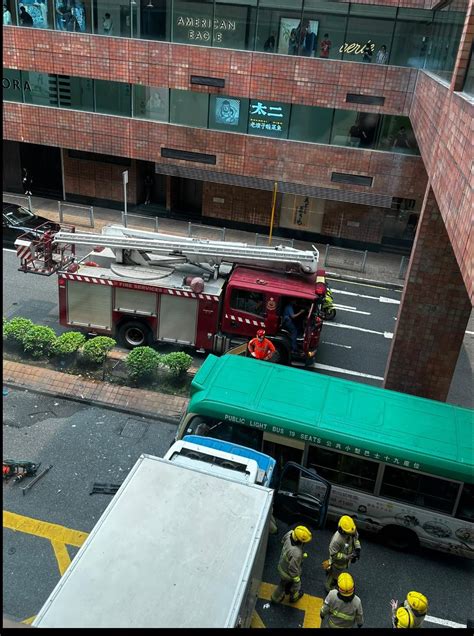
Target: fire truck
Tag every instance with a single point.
(144, 287)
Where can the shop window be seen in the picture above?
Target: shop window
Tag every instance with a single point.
(465, 509)
(369, 34)
(35, 13)
(189, 108)
(154, 20)
(228, 113)
(343, 470)
(310, 123)
(112, 98)
(40, 88)
(396, 135)
(268, 119)
(248, 301)
(411, 37)
(469, 81)
(76, 93)
(9, 15)
(12, 85)
(192, 22)
(281, 30)
(113, 18)
(151, 103)
(73, 15)
(331, 19)
(358, 130)
(420, 490)
(447, 28)
(234, 24)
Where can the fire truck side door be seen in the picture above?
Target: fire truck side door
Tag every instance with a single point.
(301, 496)
(244, 311)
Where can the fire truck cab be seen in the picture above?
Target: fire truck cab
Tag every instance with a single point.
(142, 287)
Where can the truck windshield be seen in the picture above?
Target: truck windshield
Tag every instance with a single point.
(226, 431)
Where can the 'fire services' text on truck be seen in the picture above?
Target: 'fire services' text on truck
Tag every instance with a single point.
(144, 287)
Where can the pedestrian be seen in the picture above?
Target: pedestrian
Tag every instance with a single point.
(401, 139)
(7, 16)
(402, 618)
(27, 182)
(25, 18)
(107, 24)
(382, 55)
(291, 564)
(367, 51)
(342, 607)
(149, 181)
(325, 46)
(344, 548)
(269, 45)
(289, 316)
(416, 604)
(260, 347)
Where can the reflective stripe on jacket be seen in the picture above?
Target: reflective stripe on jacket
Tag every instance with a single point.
(341, 549)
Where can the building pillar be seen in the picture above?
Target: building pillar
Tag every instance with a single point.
(433, 315)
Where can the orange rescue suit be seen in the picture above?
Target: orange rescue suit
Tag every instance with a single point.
(262, 350)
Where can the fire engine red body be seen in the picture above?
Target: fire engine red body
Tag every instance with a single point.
(141, 305)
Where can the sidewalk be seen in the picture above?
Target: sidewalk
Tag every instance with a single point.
(137, 401)
(380, 267)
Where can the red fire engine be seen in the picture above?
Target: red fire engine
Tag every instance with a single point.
(143, 287)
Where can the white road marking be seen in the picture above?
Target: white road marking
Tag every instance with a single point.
(471, 333)
(335, 344)
(380, 299)
(356, 282)
(443, 621)
(352, 310)
(385, 334)
(326, 367)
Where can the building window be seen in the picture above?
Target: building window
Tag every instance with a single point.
(357, 130)
(234, 24)
(332, 20)
(151, 103)
(228, 113)
(12, 85)
(311, 123)
(420, 490)
(396, 135)
(446, 32)
(43, 88)
(112, 18)
(35, 13)
(469, 81)
(76, 93)
(344, 470)
(112, 98)
(189, 108)
(280, 30)
(411, 37)
(73, 15)
(369, 34)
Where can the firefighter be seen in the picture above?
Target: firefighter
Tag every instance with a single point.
(403, 618)
(290, 564)
(344, 548)
(342, 607)
(416, 604)
(260, 347)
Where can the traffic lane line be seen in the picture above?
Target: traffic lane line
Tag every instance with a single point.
(43, 529)
(340, 325)
(380, 299)
(362, 284)
(443, 621)
(327, 367)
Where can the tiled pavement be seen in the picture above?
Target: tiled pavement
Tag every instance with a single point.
(137, 401)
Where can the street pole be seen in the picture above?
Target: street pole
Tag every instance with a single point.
(125, 181)
(275, 187)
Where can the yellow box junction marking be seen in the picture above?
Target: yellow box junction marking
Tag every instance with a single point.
(60, 537)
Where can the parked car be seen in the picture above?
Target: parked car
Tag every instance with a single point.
(17, 220)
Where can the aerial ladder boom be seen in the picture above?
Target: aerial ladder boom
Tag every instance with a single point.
(140, 247)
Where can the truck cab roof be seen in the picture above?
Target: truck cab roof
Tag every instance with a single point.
(281, 284)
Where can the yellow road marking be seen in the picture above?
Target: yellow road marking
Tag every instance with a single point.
(43, 529)
(309, 604)
(62, 556)
(28, 621)
(256, 621)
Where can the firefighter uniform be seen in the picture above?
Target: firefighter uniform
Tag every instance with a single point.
(417, 617)
(342, 613)
(290, 566)
(342, 549)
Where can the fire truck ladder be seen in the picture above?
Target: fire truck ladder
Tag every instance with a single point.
(137, 248)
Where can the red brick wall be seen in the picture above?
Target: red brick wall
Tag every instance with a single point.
(353, 222)
(433, 315)
(294, 162)
(464, 52)
(241, 205)
(442, 122)
(311, 82)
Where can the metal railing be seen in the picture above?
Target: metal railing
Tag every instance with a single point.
(345, 258)
(153, 220)
(262, 239)
(19, 199)
(209, 232)
(63, 206)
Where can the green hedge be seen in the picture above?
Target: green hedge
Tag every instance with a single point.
(142, 362)
(95, 350)
(15, 330)
(68, 343)
(39, 341)
(177, 362)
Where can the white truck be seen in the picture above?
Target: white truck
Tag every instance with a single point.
(182, 544)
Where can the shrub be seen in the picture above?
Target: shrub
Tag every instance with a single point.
(95, 350)
(177, 362)
(142, 362)
(15, 330)
(68, 343)
(39, 340)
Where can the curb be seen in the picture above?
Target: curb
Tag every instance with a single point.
(150, 415)
(367, 281)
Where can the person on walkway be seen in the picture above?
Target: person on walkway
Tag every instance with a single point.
(27, 182)
(403, 619)
(325, 46)
(25, 18)
(260, 347)
(344, 548)
(149, 182)
(289, 316)
(416, 604)
(367, 51)
(290, 565)
(342, 606)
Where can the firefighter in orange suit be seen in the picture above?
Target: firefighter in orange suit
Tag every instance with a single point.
(260, 347)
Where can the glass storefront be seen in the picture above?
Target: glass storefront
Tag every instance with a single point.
(229, 113)
(311, 28)
(469, 81)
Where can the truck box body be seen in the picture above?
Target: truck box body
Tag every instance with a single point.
(176, 547)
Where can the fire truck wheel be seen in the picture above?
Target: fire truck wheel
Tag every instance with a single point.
(134, 334)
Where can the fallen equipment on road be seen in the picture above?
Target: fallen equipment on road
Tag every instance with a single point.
(36, 479)
(18, 469)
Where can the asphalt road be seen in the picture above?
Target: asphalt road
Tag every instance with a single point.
(355, 346)
(87, 444)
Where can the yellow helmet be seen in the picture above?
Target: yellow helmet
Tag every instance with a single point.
(404, 618)
(301, 533)
(345, 584)
(418, 602)
(346, 525)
